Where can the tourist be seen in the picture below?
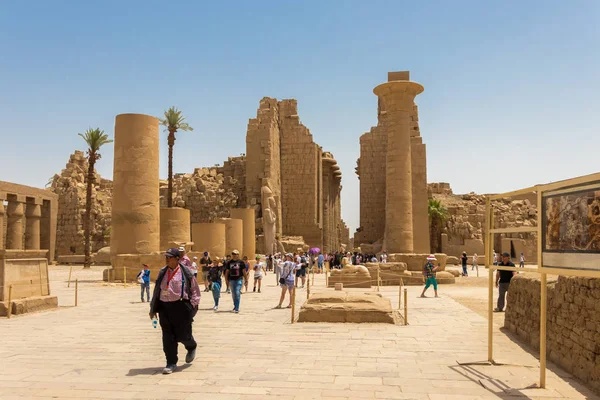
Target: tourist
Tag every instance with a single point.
(194, 267)
(236, 273)
(429, 275)
(185, 260)
(286, 280)
(175, 299)
(522, 261)
(384, 257)
(259, 268)
(247, 268)
(320, 261)
(495, 258)
(373, 258)
(269, 262)
(225, 264)
(475, 263)
(301, 270)
(214, 277)
(205, 262)
(463, 261)
(144, 279)
(503, 279)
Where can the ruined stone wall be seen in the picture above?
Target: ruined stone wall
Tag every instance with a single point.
(234, 174)
(573, 323)
(300, 177)
(207, 193)
(464, 230)
(263, 162)
(371, 173)
(70, 186)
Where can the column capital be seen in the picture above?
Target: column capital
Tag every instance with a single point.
(398, 95)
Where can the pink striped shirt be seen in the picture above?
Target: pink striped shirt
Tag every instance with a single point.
(173, 291)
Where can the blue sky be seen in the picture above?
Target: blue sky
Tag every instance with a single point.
(511, 87)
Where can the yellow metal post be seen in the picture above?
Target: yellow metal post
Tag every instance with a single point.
(293, 303)
(405, 306)
(124, 276)
(491, 314)
(400, 295)
(308, 289)
(76, 290)
(9, 311)
(327, 274)
(543, 310)
(378, 278)
(70, 271)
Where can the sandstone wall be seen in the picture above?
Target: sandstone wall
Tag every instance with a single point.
(573, 323)
(464, 230)
(301, 182)
(70, 186)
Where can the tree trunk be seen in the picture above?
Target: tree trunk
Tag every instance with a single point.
(171, 141)
(87, 221)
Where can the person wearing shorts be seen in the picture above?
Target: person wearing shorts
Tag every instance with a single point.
(205, 263)
(286, 281)
(301, 270)
(259, 269)
(429, 275)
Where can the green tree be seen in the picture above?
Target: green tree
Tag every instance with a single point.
(174, 122)
(438, 215)
(94, 138)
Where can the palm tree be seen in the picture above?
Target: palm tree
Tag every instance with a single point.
(438, 214)
(94, 138)
(174, 122)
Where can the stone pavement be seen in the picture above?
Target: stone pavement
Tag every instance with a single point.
(106, 348)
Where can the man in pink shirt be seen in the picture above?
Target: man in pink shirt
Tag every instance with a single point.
(175, 299)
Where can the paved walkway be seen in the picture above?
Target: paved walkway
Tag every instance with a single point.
(106, 348)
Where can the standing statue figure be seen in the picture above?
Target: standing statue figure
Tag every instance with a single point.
(269, 219)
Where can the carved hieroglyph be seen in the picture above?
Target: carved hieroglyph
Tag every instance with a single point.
(269, 217)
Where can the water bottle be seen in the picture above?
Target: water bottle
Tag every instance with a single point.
(154, 323)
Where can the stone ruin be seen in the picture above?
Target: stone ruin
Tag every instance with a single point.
(27, 237)
(70, 187)
(394, 204)
(464, 230)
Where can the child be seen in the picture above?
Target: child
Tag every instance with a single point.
(214, 277)
(259, 268)
(144, 279)
(522, 261)
(247, 266)
(429, 274)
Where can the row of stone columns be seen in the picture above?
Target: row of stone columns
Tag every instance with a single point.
(17, 207)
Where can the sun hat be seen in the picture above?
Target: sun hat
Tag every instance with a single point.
(235, 252)
(182, 249)
(194, 258)
(431, 257)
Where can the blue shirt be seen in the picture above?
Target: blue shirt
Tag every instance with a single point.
(320, 259)
(146, 275)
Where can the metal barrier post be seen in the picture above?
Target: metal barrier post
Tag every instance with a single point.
(70, 271)
(293, 303)
(76, 290)
(9, 311)
(405, 306)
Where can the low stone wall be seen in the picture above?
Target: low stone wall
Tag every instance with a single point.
(573, 323)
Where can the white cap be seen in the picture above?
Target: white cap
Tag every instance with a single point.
(182, 248)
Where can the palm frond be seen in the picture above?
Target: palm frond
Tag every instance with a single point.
(174, 120)
(95, 138)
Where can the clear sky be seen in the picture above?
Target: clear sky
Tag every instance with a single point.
(511, 87)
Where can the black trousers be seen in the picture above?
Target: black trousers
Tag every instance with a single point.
(176, 322)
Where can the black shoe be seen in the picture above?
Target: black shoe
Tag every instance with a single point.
(169, 369)
(254, 290)
(189, 357)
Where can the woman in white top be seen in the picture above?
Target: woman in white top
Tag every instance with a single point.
(259, 269)
(288, 274)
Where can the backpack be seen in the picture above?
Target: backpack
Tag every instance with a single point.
(214, 274)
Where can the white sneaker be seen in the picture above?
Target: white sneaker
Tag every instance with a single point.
(215, 308)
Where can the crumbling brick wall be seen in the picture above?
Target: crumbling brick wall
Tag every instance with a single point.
(573, 322)
(70, 186)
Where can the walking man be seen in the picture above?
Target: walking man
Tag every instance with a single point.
(144, 280)
(236, 274)
(175, 299)
(503, 279)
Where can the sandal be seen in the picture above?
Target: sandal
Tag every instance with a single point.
(278, 306)
(289, 306)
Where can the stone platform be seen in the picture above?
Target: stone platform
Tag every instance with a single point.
(348, 307)
(415, 261)
(28, 305)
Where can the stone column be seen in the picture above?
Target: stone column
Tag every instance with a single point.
(420, 198)
(2, 212)
(135, 208)
(398, 99)
(14, 228)
(209, 237)
(33, 213)
(327, 211)
(247, 215)
(234, 234)
(174, 227)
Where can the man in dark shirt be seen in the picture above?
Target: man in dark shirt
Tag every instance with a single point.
(236, 273)
(205, 262)
(503, 280)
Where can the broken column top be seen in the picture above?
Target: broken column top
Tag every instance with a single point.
(399, 76)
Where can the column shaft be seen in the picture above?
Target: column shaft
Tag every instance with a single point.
(14, 229)
(32, 225)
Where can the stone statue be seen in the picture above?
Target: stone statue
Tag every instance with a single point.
(269, 219)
